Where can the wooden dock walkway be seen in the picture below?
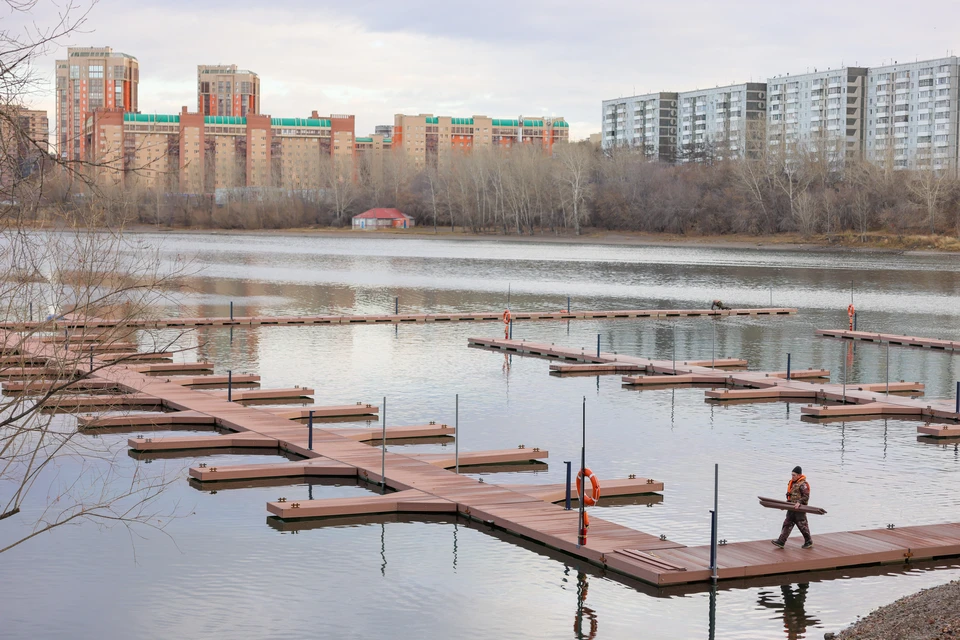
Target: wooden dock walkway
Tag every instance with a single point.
(420, 483)
(402, 318)
(890, 338)
(835, 400)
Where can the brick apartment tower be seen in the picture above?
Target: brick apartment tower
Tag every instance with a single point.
(91, 78)
(224, 90)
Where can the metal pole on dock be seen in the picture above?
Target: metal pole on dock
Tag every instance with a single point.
(568, 304)
(567, 503)
(598, 345)
(844, 378)
(396, 306)
(383, 448)
(887, 369)
(713, 348)
(231, 311)
(674, 349)
(508, 295)
(31, 312)
(310, 431)
(958, 397)
(229, 385)
(582, 533)
(456, 433)
(771, 295)
(511, 328)
(714, 522)
(788, 366)
(854, 320)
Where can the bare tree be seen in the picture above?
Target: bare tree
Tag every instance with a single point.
(576, 161)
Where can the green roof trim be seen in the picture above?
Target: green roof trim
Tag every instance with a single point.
(364, 139)
(149, 117)
(533, 123)
(388, 141)
(461, 121)
(505, 123)
(299, 122)
(234, 120)
(433, 120)
(560, 123)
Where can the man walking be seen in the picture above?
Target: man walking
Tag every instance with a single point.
(798, 492)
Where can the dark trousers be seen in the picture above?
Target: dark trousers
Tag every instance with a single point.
(798, 519)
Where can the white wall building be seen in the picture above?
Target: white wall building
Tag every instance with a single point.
(647, 122)
(912, 115)
(723, 122)
(818, 112)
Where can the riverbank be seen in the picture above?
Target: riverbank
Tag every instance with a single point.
(930, 614)
(877, 241)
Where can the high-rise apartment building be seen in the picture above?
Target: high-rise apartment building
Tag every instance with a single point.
(429, 139)
(647, 122)
(912, 115)
(24, 143)
(385, 130)
(723, 122)
(818, 113)
(91, 78)
(224, 90)
(192, 153)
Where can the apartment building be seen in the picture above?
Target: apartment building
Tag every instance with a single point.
(193, 153)
(24, 143)
(225, 90)
(721, 123)
(820, 113)
(647, 122)
(91, 78)
(429, 140)
(912, 112)
(385, 130)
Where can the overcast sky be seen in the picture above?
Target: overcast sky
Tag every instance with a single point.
(501, 59)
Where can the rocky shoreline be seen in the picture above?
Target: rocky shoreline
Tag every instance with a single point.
(931, 614)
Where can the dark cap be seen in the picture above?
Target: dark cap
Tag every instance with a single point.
(798, 470)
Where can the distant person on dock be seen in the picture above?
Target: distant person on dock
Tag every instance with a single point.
(798, 492)
(718, 304)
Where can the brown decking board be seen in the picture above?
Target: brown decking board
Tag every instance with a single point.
(890, 338)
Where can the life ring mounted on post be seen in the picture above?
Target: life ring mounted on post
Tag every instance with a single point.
(588, 499)
(851, 311)
(507, 317)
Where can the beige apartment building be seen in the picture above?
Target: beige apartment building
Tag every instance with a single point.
(429, 139)
(195, 154)
(91, 78)
(24, 142)
(225, 90)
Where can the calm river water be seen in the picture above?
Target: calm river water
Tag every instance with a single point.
(222, 570)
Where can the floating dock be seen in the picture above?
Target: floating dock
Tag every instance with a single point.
(420, 483)
(402, 318)
(890, 338)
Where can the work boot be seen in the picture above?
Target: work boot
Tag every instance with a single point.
(777, 543)
(807, 545)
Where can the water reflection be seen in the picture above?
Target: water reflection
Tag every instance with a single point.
(791, 607)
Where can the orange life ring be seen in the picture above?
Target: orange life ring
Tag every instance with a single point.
(586, 520)
(594, 483)
(850, 310)
(506, 316)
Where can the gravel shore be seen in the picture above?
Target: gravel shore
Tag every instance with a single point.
(931, 614)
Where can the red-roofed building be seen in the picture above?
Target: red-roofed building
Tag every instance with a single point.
(382, 219)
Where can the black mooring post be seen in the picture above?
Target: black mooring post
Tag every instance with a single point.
(598, 345)
(714, 523)
(568, 305)
(310, 431)
(567, 504)
(855, 320)
(788, 366)
(958, 396)
(396, 306)
(231, 311)
(582, 533)
(230, 385)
